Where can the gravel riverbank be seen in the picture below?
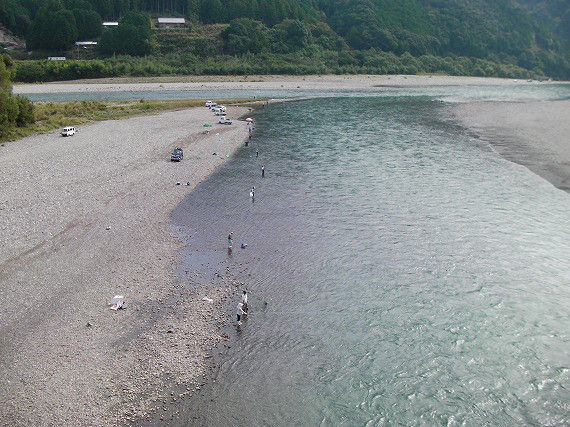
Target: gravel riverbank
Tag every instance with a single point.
(533, 134)
(85, 218)
(312, 82)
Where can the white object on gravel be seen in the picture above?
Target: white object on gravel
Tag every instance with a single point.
(117, 303)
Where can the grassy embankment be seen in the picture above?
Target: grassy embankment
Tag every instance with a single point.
(55, 115)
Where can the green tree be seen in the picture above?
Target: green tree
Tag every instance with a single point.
(290, 35)
(245, 35)
(6, 65)
(193, 10)
(53, 28)
(324, 36)
(88, 23)
(104, 8)
(14, 16)
(130, 37)
(26, 113)
(13, 110)
(268, 12)
(125, 39)
(211, 11)
(8, 112)
(121, 7)
(78, 4)
(139, 20)
(367, 36)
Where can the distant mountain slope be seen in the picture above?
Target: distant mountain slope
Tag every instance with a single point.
(555, 13)
(534, 34)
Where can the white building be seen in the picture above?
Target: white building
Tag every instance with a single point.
(171, 22)
(85, 44)
(110, 24)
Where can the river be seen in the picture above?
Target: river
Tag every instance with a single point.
(400, 271)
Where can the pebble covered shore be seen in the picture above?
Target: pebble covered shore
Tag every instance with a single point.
(85, 218)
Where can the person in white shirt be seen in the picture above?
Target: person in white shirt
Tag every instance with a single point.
(240, 312)
(244, 301)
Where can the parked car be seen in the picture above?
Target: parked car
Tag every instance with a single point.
(210, 104)
(225, 121)
(68, 131)
(177, 155)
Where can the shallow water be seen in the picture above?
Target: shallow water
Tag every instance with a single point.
(411, 275)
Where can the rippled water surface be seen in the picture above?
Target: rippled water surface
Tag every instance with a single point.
(412, 276)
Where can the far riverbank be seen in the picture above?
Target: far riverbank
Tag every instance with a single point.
(533, 134)
(274, 82)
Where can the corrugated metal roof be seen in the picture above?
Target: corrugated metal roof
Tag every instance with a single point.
(85, 43)
(110, 24)
(171, 21)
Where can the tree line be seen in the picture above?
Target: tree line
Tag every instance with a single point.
(528, 33)
(14, 110)
(299, 62)
(19, 15)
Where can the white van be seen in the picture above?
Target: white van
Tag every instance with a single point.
(68, 131)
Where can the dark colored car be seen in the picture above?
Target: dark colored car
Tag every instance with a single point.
(177, 155)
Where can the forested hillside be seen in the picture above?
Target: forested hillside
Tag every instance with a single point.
(495, 36)
(551, 12)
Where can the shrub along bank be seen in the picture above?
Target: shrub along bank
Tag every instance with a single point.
(297, 63)
(15, 111)
(54, 115)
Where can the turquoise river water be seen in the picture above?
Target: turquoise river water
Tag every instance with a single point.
(400, 271)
